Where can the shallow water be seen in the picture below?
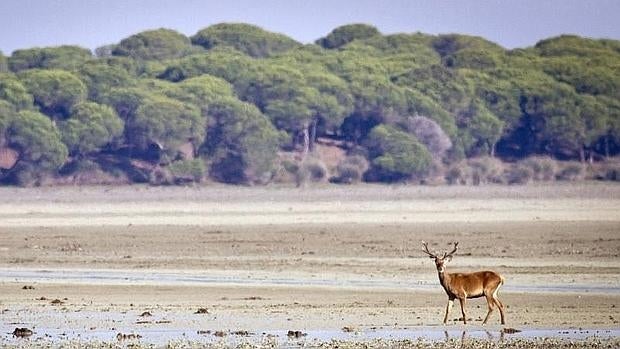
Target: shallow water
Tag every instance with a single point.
(61, 326)
(280, 338)
(78, 276)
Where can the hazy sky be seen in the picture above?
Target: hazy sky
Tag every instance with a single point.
(511, 23)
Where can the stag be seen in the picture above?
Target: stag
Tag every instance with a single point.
(467, 285)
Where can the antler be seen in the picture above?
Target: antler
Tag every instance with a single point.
(425, 250)
(449, 255)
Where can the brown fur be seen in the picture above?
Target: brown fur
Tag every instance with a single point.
(463, 286)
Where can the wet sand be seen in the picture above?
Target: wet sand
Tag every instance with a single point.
(337, 267)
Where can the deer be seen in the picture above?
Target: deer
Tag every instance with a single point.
(467, 285)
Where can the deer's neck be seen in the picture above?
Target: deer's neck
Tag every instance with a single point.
(444, 279)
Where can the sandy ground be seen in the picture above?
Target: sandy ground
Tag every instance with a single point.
(318, 260)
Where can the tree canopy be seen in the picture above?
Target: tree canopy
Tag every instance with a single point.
(347, 33)
(12, 90)
(61, 57)
(395, 154)
(242, 143)
(90, 127)
(153, 45)
(38, 143)
(166, 123)
(241, 104)
(4, 65)
(54, 91)
(249, 39)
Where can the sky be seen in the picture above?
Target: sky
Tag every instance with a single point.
(510, 23)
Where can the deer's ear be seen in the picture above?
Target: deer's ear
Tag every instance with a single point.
(448, 259)
(431, 257)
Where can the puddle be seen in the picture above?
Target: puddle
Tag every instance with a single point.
(280, 338)
(162, 328)
(189, 278)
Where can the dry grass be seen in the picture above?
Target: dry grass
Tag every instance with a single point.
(320, 192)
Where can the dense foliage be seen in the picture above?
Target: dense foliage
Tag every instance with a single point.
(239, 104)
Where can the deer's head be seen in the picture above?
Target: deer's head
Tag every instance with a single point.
(440, 260)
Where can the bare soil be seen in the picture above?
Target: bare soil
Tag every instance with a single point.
(311, 259)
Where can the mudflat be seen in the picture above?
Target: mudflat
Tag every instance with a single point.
(177, 265)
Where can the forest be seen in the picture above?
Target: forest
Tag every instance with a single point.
(237, 104)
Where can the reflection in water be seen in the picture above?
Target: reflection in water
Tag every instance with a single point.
(163, 336)
(498, 336)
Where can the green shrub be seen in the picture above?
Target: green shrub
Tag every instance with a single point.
(458, 173)
(476, 171)
(486, 170)
(187, 170)
(396, 155)
(347, 174)
(311, 169)
(316, 168)
(518, 174)
(27, 175)
(358, 161)
(77, 166)
(543, 168)
(571, 171)
(290, 166)
(160, 176)
(87, 172)
(605, 171)
(350, 170)
(286, 170)
(612, 172)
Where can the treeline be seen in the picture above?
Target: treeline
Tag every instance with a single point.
(237, 104)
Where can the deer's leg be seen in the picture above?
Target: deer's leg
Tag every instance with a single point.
(491, 304)
(501, 309)
(499, 304)
(462, 301)
(448, 307)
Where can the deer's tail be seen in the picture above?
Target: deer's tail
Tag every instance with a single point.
(501, 282)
